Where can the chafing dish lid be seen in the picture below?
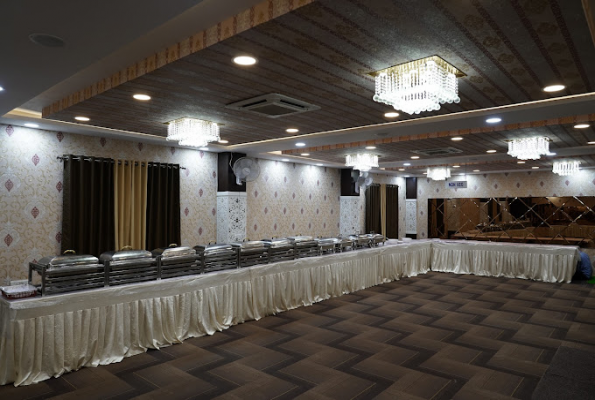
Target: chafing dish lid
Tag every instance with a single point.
(301, 238)
(124, 255)
(278, 242)
(251, 244)
(330, 240)
(174, 251)
(68, 260)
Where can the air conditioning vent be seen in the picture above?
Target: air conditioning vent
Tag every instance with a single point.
(437, 152)
(273, 105)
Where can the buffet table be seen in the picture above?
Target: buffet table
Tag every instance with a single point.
(47, 336)
(528, 261)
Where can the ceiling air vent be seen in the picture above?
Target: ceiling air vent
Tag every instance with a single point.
(443, 151)
(273, 105)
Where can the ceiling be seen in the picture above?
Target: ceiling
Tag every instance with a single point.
(322, 53)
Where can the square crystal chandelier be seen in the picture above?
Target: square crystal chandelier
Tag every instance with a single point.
(193, 132)
(417, 86)
(438, 174)
(567, 167)
(529, 148)
(362, 161)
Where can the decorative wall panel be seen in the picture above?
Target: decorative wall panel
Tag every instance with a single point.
(411, 216)
(352, 219)
(231, 217)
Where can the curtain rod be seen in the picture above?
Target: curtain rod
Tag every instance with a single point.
(150, 163)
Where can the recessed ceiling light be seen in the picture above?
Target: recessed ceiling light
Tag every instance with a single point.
(142, 97)
(491, 151)
(425, 173)
(223, 141)
(370, 147)
(535, 167)
(244, 60)
(456, 138)
(590, 142)
(391, 115)
(1, 88)
(203, 148)
(493, 120)
(581, 126)
(382, 169)
(320, 165)
(520, 162)
(84, 119)
(284, 159)
(292, 130)
(300, 144)
(554, 88)
(30, 125)
(550, 154)
(401, 169)
(406, 164)
(475, 170)
(456, 166)
(414, 157)
(305, 154)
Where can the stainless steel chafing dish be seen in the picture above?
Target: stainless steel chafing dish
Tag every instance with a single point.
(68, 272)
(376, 239)
(217, 257)
(329, 245)
(279, 249)
(360, 240)
(346, 244)
(129, 266)
(251, 252)
(305, 246)
(176, 261)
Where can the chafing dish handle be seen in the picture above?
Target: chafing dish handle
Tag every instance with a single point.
(172, 245)
(127, 247)
(69, 252)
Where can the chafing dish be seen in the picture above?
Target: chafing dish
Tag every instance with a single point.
(129, 266)
(279, 249)
(376, 239)
(68, 272)
(250, 253)
(346, 244)
(176, 261)
(329, 245)
(217, 257)
(360, 240)
(305, 246)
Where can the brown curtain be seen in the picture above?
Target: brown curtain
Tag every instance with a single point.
(392, 211)
(163, 205)
(373, 209)
(130, 204)
(88, 201)
(383, 209)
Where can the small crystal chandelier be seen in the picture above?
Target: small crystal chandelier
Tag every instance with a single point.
(565, 168)
(193, 132)
(418, 86)
(529, 148)
(362, 161)
(438, 174)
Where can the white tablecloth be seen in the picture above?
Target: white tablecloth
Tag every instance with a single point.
(529, 261)
(47, 336)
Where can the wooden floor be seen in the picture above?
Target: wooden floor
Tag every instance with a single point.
(436, 336)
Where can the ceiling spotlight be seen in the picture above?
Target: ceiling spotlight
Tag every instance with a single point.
(203, 148)
(142, 97)
(223, 141)
(84, 119)
(391, 115)
(456, 166)
(414, 157)
(284, 159)
(370, 147)
(493, 120)
(300, 144)
(320, 165)
(292, 130)
(554, 88)
(476, 170)
(581, 126)
(401, 169)
(30, 125)
(1, 89)
(491, 151)
(305, 154)
(550, 154)
(520, 162)
(456, 138)
(590, 142)
(244, 60)
(406, 164)
(534, 167)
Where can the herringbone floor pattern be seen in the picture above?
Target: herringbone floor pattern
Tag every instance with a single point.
(436, 336)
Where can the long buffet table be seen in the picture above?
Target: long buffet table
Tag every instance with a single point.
(47, 336)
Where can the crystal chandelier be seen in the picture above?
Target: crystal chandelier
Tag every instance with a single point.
(529, 148)
(193, 132)
(362, 161)
(438, 174)
(565, 168)
(418, 86)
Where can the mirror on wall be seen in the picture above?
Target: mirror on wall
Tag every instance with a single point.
(544, 220)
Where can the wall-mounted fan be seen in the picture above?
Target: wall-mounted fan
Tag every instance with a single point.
(245, 169)
(363, 182)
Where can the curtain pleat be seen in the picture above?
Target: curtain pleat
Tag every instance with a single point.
(383, 209)
(130, 202)
(163, 205)
(373, 209)
(392, 212)
(88, 205)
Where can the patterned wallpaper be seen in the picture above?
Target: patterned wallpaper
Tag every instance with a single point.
(527, 184)
(289, 199)
(31, 189)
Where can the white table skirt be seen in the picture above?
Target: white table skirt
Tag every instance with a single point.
(48, 336)
(528, 261)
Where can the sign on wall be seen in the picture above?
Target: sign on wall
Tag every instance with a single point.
(456, 184)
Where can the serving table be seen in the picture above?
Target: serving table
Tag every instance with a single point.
(47, 336)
